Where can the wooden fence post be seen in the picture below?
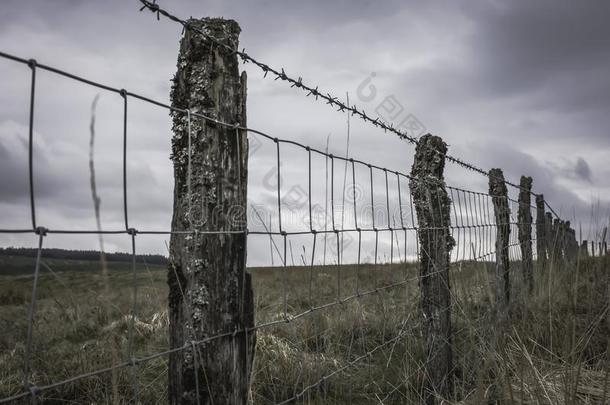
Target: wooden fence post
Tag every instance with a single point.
(498, 192)
(540, 232)
(432, 207)
(563, 240)
(525, 231)
(209, 288)
(584, 248)
(557, 241)
(571, 246)
(549, 237)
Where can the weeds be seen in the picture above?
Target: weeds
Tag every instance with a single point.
(554, 352)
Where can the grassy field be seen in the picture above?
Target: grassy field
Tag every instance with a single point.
(555, 350)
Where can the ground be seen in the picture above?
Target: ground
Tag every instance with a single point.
(555, 349)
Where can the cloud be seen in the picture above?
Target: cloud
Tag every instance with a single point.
(530, 43)
(576, 170)
(582, 170)
(518, 85)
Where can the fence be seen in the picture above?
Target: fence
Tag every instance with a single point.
(420, 219)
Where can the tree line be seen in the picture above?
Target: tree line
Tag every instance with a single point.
(66, 254)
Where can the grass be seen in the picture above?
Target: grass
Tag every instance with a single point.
(555, 349)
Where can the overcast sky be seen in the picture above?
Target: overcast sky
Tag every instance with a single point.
(519, 85)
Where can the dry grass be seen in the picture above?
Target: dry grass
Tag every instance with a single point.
(555, 350)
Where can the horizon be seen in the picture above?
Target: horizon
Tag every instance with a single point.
(453, 81)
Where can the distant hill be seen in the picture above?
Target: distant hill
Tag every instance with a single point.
(82, 255)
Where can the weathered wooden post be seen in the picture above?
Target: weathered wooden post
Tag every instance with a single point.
(557, 241)
(432, 207)
(584, 248)
(563, 239)
(550, 237)
(525, 231)
(563, 229)
(571, 246)
(209, 289)
(540, 231)
(498, 192)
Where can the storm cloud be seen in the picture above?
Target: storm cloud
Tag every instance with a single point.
(513, 84)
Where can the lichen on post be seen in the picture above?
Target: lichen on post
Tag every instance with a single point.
(540, 232)
(525, 231)
(498, 193)
(209, 289)
(550, 237)
(570, 244)
(557, 241)
(432, 206)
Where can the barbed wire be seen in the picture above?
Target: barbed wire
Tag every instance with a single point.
(280, 74)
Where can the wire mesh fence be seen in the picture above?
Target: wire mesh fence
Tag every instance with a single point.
(357, 242)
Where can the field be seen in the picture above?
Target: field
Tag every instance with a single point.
(554, 351)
